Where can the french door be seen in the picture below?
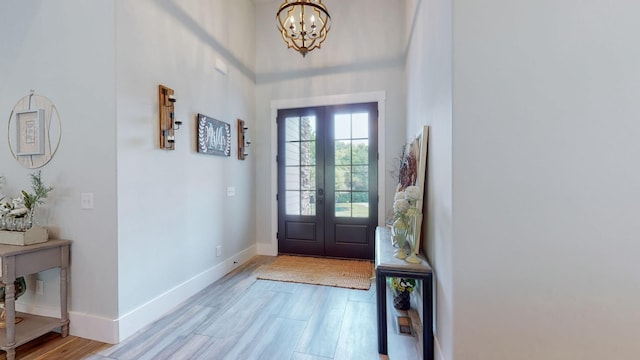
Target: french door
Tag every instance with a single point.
(328, 180)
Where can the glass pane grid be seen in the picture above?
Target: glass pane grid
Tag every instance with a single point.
(353, 204)
(360, 152)
(292, 129)
(308, 153)
(300, 161)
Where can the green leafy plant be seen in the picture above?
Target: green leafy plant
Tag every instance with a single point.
(402, 284)
(40, 192)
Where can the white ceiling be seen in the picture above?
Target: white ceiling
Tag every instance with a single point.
(364, 34)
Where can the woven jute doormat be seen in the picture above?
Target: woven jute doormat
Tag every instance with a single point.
(352, 274)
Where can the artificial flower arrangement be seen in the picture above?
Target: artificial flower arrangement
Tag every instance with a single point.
(401, 289)
(405, 206)
(402, 284)
(19, 213)
(406, 217)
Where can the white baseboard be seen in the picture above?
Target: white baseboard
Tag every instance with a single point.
(437, 350)
(93, 327)
(145, 314)
(80, 324)
(268, 249)
(113, 331)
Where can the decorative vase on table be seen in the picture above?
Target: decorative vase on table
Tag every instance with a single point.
(402, 300)
(401, 289)
(414, 239)
(399, 240)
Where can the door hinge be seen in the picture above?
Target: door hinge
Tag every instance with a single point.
(277, 197)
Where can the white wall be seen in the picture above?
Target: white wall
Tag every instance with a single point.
(173, 210)
(346, 64)
(64, 50)
(429, 103)
(151, 240)
(545, 179)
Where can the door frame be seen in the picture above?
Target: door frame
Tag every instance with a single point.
(377, 96)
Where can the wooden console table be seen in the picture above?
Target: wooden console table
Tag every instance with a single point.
(24, 260)
(388, 265)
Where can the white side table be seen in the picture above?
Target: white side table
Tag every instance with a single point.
(24, 260)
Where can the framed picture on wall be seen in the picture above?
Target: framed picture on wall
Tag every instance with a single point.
(30, 132)
(214, 136)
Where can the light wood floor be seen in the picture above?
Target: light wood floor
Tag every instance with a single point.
(241, 318)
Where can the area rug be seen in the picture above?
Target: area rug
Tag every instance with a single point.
(352, 274)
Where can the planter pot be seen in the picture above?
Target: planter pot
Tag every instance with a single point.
(34, 235)
(402, 300)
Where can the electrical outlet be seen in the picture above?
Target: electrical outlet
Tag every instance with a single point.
(86, 201)
(39, 287)
(218, 251)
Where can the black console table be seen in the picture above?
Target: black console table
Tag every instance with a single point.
(388, 265)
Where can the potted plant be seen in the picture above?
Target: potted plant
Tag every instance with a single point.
(401, 288)
(36, 197)
(18, 215)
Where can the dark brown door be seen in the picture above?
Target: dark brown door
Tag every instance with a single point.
(327, 180)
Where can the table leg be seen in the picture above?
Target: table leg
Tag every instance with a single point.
(11, 354)
(10, 312)
(381, 296)
(64, 311)
(10, 318)
(427, 322)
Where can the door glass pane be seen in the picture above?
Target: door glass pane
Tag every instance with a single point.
(293, 202)
(292, 129)
(352, 204)
(308, 203)
(292, 153)
(343, 204)
(308, 153)
(307, 178)
(343, 152)
(292, 178)
(343, 178)
(360, 152)
(360, 178)
(360, 126)
(360, 204)
(342, 126)
(308, 128)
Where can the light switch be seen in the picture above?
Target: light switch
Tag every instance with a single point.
(231, 191)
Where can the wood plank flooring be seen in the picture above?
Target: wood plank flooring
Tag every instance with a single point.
(52, 346)
(239, 317)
